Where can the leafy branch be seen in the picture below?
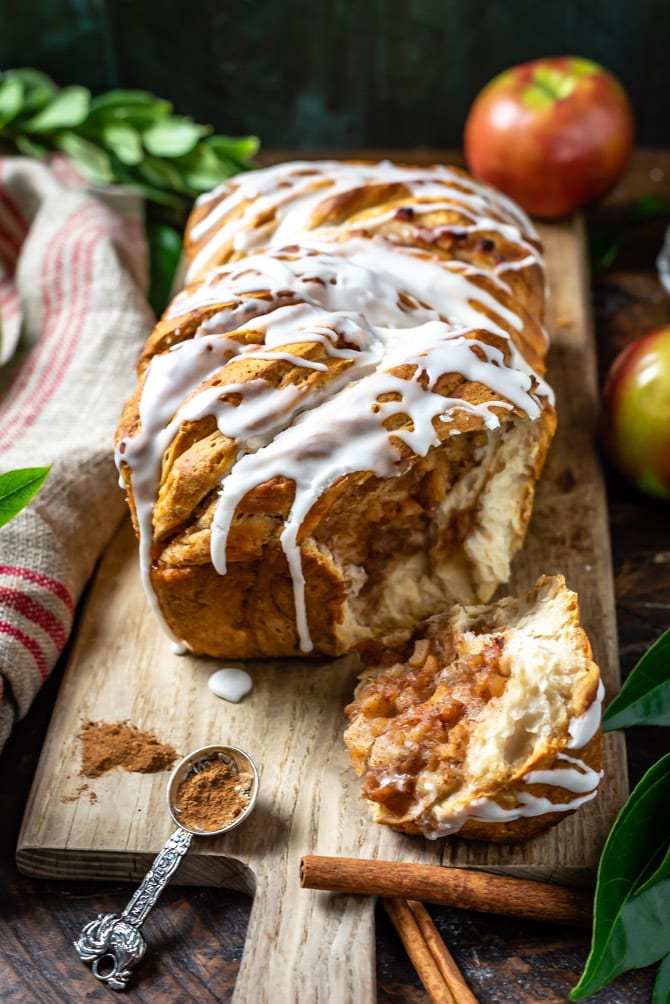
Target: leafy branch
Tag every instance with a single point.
(128, 137)
(631, 920)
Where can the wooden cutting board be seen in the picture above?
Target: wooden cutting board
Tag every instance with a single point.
(303, 944)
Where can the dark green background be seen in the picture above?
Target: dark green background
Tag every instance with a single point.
(339, 73)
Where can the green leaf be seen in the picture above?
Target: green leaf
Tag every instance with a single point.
(17, 488)
(163, 174)
(649, 206)
(38, 88)
(129, 99)
(11, 99)
(604, 245)
(631, 926)
(125, 135)
(138, 109)
(662, 984)
(88, 157)
(644, 698)
(157, 195)
(240, 151)
(172, 137)
(139, 116)
(66, 110)
(29, 148)
(202, 170)
(123, 141)
(605, 239)
(165, 249)
(129, 176)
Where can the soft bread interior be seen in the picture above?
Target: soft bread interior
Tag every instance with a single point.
(405, 550)
(482, 696)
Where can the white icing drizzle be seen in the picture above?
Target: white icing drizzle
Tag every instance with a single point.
(578, 778)
(528, 806)
(368, 302)
(359, 274)
(583, 729)
(174, 377)
(578, 781)
(230, 684)
(288, 194)
(487, 810)
(167, 377)
(316, 450)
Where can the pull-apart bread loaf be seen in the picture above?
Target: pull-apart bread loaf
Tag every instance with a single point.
(485, 723)
(340, 420)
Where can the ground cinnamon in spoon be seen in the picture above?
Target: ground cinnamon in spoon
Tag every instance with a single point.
(108, 745)
(213, 796)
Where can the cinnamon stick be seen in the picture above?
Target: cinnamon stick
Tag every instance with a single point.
(461, 887)
(444, 960)
(407, 927)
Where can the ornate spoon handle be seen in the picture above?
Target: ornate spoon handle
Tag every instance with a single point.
(112, 944)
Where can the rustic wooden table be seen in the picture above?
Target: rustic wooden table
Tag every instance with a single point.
(196, 934)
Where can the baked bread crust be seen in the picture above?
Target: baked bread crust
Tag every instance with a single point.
(332, 437)
(484, 723)
(442, 210)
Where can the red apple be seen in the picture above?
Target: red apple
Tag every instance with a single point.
(635, 415)
(554, 134)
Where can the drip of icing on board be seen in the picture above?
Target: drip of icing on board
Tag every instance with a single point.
(230, 684)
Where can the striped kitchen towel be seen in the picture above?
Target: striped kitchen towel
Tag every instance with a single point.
(73, 271)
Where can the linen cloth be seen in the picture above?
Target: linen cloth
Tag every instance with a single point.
(73, 270)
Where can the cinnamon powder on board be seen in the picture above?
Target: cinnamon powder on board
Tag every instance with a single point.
(210, 798)
(108, 745)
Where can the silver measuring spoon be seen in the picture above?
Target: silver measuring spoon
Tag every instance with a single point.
(113, 944)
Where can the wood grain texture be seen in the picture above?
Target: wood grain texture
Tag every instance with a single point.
(121, 668)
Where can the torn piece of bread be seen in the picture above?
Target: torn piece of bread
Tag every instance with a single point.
(486, 723)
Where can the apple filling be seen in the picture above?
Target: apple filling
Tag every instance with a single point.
(413, 721)
(474, 712)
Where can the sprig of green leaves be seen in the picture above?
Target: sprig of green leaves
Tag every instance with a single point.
(129, 137)
(125, 136)
(631, 917)
(631, 925)
(17, 488)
